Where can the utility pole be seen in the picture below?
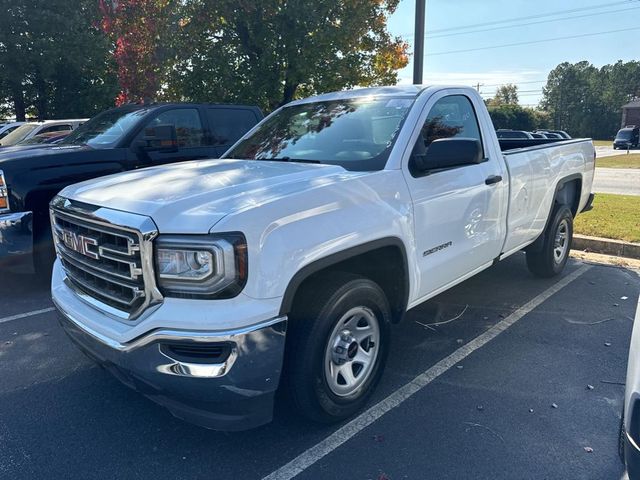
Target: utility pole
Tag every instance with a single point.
(418, 39)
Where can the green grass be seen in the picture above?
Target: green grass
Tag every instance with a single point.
(603, 143)
(631, 160)
(613, 216)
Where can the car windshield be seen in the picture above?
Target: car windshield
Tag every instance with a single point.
(357, 134)
(18, 134)
(105, 129)
(624, 134)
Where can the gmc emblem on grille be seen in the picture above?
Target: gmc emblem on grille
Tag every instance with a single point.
(80, 243)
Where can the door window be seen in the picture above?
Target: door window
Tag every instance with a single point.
(452, 116)
(56, 128)
(189, 130)
(229, 124)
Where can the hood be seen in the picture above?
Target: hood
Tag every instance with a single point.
(17, 152)
(202, 192)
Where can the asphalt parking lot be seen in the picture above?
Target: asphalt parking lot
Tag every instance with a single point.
(490, 380)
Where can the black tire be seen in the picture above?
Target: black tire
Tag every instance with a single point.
(546, 262)
(313, 322)
(44, 253)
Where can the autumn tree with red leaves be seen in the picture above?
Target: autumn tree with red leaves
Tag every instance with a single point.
(138, 29)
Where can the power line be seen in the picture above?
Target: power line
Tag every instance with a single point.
(515, 83)
(515, 19)
(528, 24)
(517, 44)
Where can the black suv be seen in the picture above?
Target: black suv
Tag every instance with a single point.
(627, 136)
(124, 138)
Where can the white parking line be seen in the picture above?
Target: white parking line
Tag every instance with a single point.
(340, 436)
(27, 314)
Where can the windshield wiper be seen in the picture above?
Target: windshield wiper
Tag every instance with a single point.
(289, 159)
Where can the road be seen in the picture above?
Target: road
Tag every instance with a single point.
(608, 151)
(623, 181)
(499, 393)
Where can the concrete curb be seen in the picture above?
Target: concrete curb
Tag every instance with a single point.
(606, 246)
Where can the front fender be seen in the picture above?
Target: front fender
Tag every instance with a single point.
(298, 230)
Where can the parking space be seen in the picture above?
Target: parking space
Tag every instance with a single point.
(492, 378)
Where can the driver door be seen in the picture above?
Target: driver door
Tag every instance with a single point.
(458, 217)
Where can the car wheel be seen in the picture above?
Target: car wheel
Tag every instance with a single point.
(337, 346)
(551, 259)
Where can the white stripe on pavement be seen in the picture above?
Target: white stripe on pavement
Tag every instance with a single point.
(27, 314)
(340, 436)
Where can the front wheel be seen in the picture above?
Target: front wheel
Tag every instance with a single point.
(551, 259)
(337, 346)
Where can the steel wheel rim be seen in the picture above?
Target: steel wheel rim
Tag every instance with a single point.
(561, 241)
(347, 367)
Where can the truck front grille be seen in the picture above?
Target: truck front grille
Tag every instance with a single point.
(107, 264)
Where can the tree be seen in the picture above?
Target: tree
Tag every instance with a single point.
(273, 51)
(54, 61)
(516, 117)
(505, 95)
(586, 100)
(141, 34)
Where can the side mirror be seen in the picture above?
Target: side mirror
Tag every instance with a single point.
(162, 138)
(447, 153)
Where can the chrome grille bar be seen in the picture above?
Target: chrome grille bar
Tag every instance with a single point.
(107, 257)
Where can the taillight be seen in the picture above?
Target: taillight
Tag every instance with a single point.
(4, 194)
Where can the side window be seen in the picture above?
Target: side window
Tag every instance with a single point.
(187, 122)
(229, 124)
(451, 117)
(56, 128)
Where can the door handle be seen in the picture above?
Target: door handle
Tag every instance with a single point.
(491, 179)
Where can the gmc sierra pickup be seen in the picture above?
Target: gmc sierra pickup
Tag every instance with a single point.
(209, 284)
(120, 139)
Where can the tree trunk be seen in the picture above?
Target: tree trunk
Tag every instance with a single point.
(18, 103)
(289, 91)
(42, 97)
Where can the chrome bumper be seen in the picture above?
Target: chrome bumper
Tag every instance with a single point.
(235, 394)
(16, 242)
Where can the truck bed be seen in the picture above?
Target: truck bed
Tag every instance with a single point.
(508, 144)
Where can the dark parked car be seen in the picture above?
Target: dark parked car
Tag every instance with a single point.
(504, 133)
(627, 136)
(124, 138)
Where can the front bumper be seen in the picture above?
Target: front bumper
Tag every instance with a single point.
(235, 393)
(16, 242)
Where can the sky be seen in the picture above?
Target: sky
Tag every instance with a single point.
(526, 65)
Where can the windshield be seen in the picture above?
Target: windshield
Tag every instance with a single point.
(18, 134)
(105, 129)
(624, 134)
(357, 134)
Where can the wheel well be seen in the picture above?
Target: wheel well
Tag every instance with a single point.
(569, 194)
(387, 266)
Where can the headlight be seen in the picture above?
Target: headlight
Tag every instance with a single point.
(4, 194)
(201, 266)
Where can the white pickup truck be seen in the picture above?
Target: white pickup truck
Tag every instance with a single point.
(208, 285)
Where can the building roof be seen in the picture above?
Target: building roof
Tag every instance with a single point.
(634, 104)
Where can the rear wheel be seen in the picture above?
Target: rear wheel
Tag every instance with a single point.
(337, 346)
(552, 257)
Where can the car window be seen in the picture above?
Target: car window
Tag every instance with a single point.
(229, 124)
(63, 127)
(8, 130)
(187, 122)
(451, 117)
